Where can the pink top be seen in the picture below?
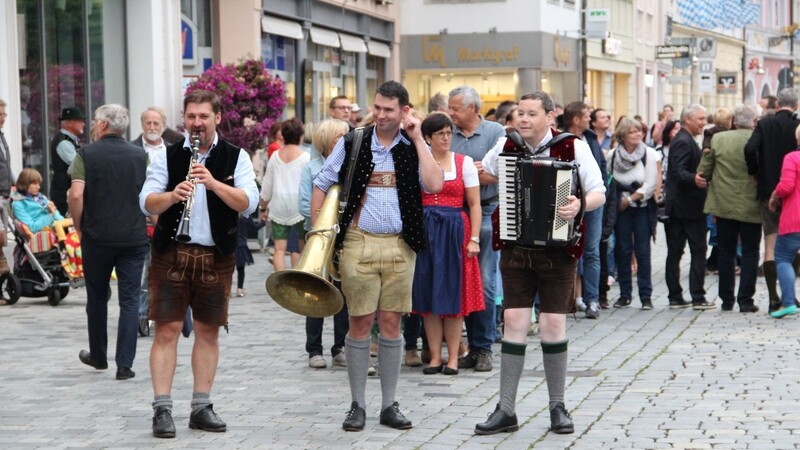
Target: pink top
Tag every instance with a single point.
(788, 189)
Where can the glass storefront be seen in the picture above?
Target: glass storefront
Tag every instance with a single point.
(72, 55)
(278, 54)
(493, 87)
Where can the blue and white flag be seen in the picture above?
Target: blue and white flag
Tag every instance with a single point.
(725, 14)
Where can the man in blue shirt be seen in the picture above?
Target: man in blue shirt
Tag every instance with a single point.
(381, 232)
(474, 136)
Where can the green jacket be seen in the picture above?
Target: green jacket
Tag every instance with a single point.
(731, 191)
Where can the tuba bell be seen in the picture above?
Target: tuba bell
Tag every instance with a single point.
(305, 289)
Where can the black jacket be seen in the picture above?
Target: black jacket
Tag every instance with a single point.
(684, 199)
(772, 139)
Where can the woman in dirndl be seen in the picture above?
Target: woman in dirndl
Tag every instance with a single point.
(447, 279)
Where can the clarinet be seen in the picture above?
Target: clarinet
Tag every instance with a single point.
(182, 235)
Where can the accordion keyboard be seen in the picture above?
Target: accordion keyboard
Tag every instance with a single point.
(506, 166)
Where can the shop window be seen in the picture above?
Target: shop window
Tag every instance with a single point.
(80, 63)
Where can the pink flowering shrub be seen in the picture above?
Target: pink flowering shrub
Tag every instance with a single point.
(252, 100)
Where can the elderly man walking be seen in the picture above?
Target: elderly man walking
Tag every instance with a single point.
(686, 197)
(104, 200)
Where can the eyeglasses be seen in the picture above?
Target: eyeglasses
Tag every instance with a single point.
(343, 108)
(443, 134)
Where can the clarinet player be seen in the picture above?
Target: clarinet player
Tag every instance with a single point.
(549, 272)
(197, 273)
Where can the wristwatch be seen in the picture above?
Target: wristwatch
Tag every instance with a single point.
(476, 240)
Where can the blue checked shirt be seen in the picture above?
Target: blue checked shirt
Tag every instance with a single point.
(381, 211)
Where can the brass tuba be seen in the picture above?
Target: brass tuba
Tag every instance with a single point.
(305, 289)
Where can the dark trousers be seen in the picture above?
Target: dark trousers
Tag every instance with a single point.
(633, 237)
(98, 262)
(341, 325)
(413, 330)
(603, 292)
(729, 233)
(679, 232)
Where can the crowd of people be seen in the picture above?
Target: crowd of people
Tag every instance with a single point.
(418, 251)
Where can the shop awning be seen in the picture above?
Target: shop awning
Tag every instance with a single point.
(324, 37)
(352, 43)
(379, 49)
(280, 27)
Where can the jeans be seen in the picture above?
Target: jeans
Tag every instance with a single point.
(341, 325)
(633, 236)
(98, 262)
(610, 257)
(143, 302)
(679, 231)
(728, 234)
(412, 330)
(786, 248)
(481, 324)
(591, 256)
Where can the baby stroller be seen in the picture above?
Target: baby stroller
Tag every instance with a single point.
(46, 263)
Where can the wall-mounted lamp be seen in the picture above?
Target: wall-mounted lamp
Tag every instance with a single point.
(443, 31)
(493, 30)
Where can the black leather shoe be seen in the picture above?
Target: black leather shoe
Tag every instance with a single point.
(392, 417)
(125, 373)
(448, 371)
(726, 306)
(206, 419)
(144, 327)
(560, 420)
(469, 361)
(748, 307)
(498, 422)
(356, 418)
(433, 370)
(673, 304)
(87, 359)
(163, 426)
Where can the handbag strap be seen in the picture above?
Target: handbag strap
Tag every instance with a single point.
(348, 179)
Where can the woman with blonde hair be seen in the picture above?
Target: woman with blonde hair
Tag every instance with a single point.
(326, 135)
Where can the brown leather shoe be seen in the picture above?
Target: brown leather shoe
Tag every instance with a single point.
(412, 358)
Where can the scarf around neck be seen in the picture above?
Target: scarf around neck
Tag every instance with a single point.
(624, 161)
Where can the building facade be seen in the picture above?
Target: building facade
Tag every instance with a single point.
(323, 48)
(83, 53)
(519, 46)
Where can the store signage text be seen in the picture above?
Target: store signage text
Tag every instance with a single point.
(561, 55)
(433, 51)
(487, 54)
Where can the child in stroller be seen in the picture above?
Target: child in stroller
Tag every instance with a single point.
(46, 258)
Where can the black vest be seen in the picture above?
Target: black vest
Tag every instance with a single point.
(115, 171)
(223, 219)
(409, 194)
(60, 179)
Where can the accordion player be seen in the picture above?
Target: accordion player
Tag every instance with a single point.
(531, 188)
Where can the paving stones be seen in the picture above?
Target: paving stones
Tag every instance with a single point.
(655, 379)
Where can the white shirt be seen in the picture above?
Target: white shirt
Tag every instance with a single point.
(199, 225)
(281, 188)
(469, 173)
(150, 149)
(587, 166)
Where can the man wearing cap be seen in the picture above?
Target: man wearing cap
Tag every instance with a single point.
(63, 148)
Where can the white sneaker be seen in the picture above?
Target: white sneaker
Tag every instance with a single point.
(579, 304)
(339, 360)
(317, 362)
(611, 280)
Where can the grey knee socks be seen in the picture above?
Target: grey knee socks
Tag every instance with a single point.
(511, 364)
(554, 359)
(357, 353)
(390, 355)
(162, 400)
(200, 400)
